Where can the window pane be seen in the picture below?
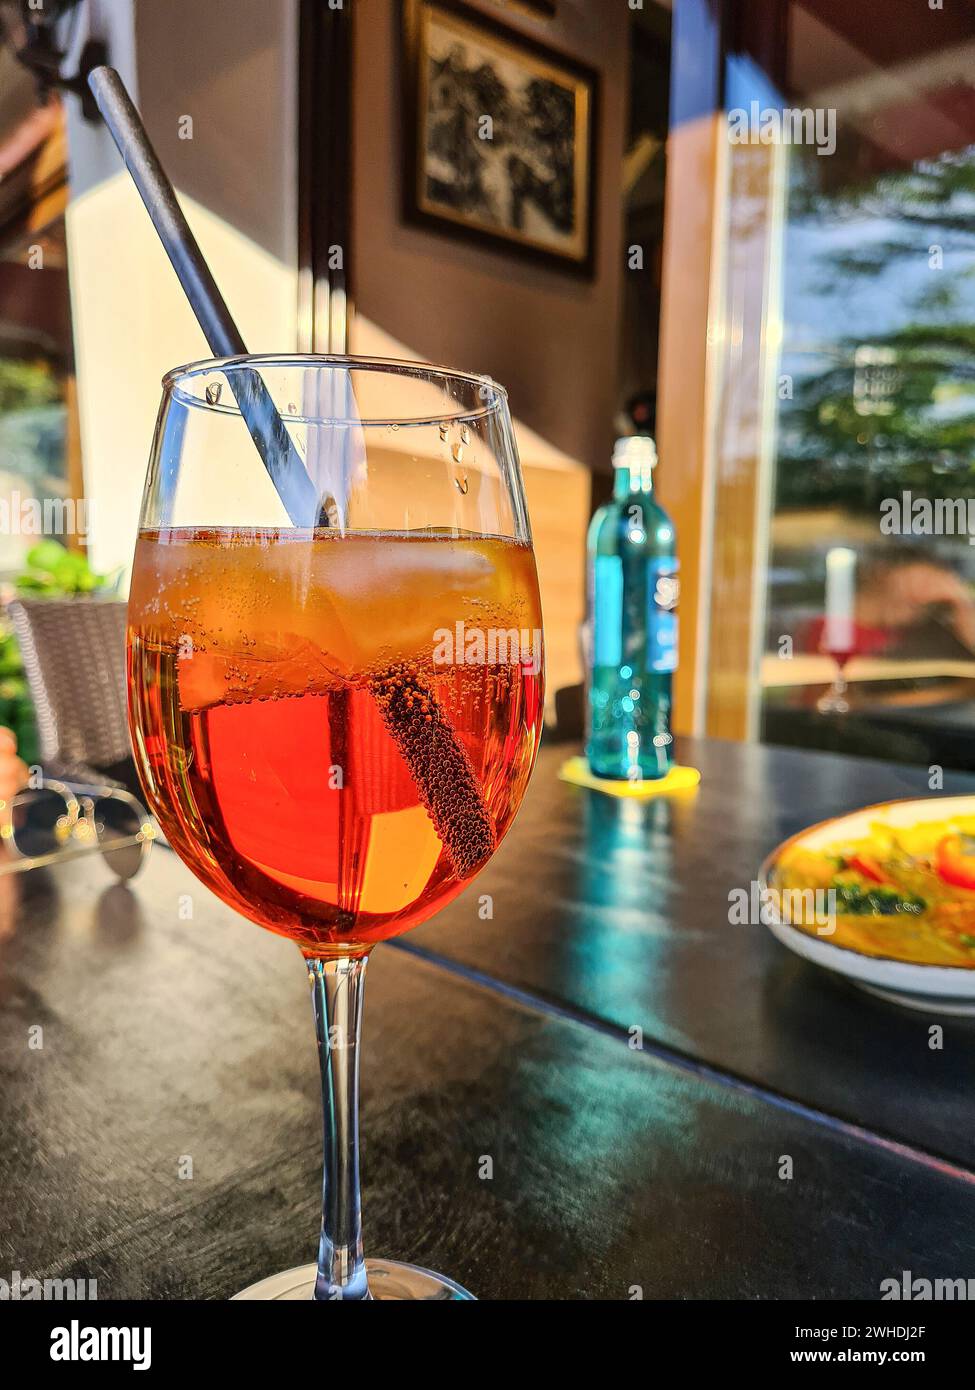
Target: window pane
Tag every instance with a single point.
(865, 255)
(36, 382)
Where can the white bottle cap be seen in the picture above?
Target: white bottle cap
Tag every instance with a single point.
(635, 451)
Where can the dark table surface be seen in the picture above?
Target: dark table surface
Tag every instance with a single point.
(941, 732)
(163, 1138)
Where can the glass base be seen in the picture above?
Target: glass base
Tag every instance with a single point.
(833, 703)
(388, 1279)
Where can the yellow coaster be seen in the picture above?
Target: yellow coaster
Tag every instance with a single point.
(678, 779)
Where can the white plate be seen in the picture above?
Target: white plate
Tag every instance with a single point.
(948, 989)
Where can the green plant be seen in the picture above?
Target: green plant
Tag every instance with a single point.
(53, 572)
(16, 709)
(56, 572)
(24, 385)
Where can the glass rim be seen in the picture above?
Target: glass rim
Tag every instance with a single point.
(172, 384)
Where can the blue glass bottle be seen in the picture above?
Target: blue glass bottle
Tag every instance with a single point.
(633, 590)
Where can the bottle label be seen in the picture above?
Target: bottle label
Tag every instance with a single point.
(607, 611)
(663, 591)
(606, 601)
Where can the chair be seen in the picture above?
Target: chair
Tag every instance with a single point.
(74, 659)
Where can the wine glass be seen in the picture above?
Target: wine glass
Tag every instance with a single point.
(834, 700)
(335, 722)
(838, 638)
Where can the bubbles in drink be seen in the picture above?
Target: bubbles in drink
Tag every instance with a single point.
(323, 652)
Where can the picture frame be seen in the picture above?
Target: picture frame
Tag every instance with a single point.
(500, 136)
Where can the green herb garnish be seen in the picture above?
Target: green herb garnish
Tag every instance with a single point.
(875, 902)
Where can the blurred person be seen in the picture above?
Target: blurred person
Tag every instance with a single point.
(908, 604)
(13, 772)
(13, 778)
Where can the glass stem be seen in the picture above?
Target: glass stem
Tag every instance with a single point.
(337, 990)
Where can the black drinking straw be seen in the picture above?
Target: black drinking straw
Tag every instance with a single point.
(274, 444)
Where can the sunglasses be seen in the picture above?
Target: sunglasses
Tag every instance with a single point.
(59, 821)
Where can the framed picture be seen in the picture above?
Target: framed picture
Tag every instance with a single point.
(500, 135)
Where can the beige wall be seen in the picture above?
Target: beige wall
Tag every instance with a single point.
(549, 337)
(237, 185)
